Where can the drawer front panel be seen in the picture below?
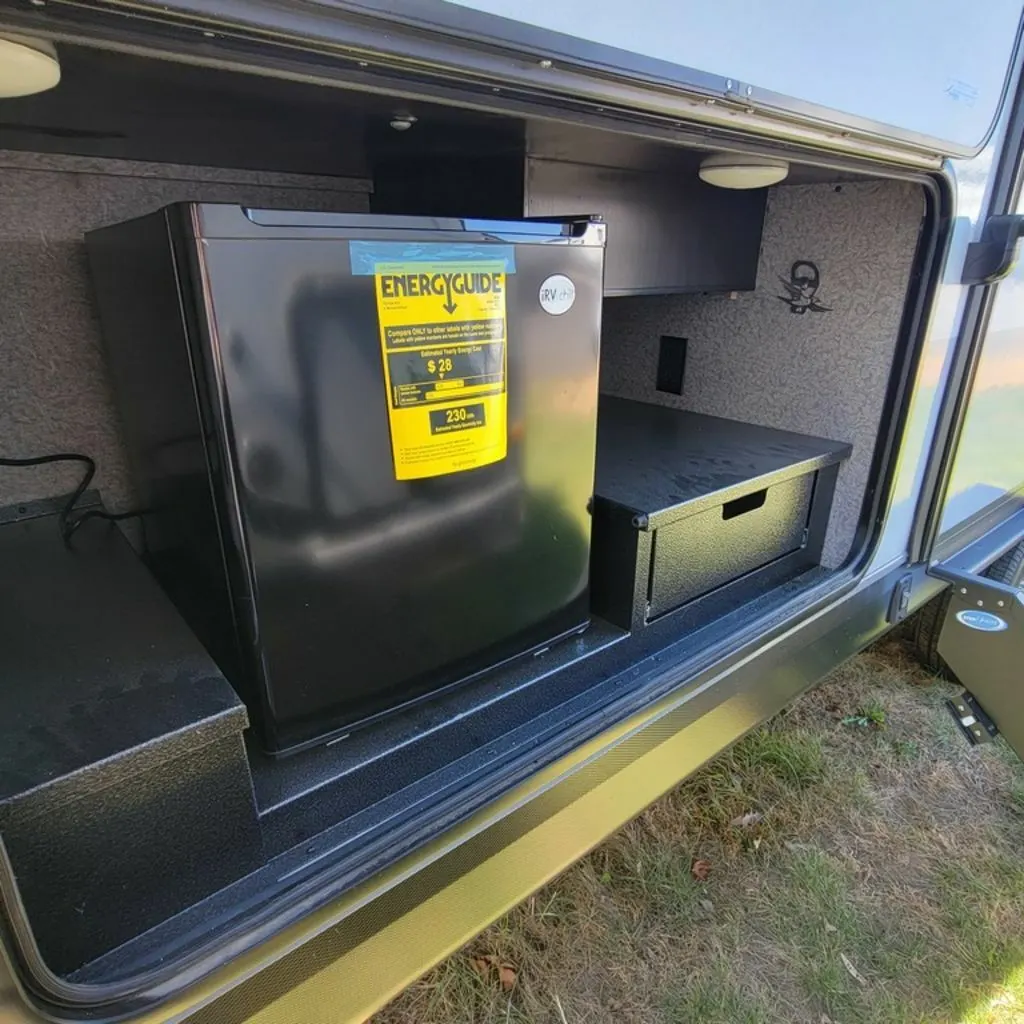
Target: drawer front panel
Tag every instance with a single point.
(695, 555)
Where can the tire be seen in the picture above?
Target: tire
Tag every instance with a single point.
(927, 623)
(1010, 568)
(924, 635)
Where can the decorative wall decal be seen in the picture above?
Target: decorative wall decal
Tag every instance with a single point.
(802, 286)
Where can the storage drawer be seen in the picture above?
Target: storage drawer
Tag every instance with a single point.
(694, 515)
(701, 552)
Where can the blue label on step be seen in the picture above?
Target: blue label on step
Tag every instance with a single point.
(984, 621)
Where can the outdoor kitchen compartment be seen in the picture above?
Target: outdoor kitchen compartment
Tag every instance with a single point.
(697, 512)
(342, 539)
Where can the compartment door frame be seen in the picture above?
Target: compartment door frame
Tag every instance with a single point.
(929, 541)
(982, 629)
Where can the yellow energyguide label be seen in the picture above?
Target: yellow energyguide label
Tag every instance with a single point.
(443, 334)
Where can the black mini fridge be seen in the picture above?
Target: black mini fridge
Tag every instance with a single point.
(366, 444)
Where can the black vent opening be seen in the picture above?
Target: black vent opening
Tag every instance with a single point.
(671, 364)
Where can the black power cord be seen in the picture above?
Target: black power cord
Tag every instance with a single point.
(67, 524)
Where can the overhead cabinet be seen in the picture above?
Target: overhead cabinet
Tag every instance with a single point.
(668, 232)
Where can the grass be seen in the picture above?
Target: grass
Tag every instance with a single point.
(864, 866)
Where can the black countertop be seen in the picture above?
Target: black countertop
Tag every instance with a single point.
(663, 464)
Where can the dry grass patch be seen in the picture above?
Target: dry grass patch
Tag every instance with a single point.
(864, 866)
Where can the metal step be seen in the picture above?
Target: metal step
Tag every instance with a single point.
(982, 642)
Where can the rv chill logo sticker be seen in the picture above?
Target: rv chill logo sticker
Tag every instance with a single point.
(557, 294)
(443, 333)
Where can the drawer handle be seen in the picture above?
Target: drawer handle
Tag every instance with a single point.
(748, 503)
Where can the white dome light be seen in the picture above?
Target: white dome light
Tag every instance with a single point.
(27, 66)
(734, 170)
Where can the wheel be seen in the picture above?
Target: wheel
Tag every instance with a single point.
(927, 624)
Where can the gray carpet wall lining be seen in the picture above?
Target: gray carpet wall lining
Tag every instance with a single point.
(54, 391)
